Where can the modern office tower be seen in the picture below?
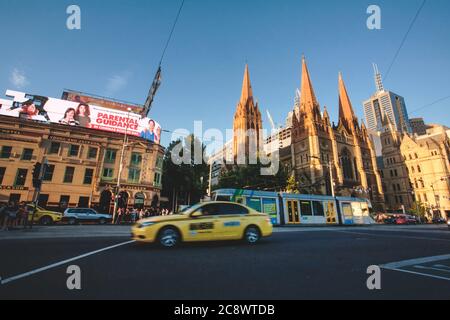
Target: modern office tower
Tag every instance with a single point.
(386, 102)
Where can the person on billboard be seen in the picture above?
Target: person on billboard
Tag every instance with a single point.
(69, 118)
(158, 135)
(149, 133)
(32, 109)
(82, 115)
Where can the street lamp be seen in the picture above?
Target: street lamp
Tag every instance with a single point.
(119, 174)
(329, 165)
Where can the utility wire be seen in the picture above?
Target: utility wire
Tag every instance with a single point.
(404, 39)
(171, 32)
(430, 104)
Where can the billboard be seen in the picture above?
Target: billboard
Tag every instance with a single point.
(79, 114)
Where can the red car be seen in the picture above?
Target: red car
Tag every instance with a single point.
(403, 219)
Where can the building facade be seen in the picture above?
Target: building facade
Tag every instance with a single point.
(247, 124)
(83, 166)
(418, 126)
(427, 158)
(346, 149)
(398, 191)
(386, 102)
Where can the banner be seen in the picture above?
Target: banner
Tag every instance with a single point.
(79, 114)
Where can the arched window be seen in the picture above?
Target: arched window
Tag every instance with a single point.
(347, 164)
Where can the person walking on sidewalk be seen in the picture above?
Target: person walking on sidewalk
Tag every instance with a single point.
(11, 215)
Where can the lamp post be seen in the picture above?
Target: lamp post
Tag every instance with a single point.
(119, 174)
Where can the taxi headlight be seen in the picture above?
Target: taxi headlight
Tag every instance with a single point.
(448, 222)
(146, 224)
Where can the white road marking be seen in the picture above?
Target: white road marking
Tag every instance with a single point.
(431, 268)
(58, 264)
(412, 262)
(416, 263)
(417, 273)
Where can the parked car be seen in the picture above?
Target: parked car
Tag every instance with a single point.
(439, 220)
(403, 219)
(42, 216)
(390, 220)
(83, 215)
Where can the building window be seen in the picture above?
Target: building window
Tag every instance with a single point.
(425, 197)
(88, 176)
(398, 187)
(134, 175)
(393, 187)
(396, 172)
(110, 156)
(413, 170)
(92, 153)
(74, 150)
(416, 156)
(54, 148)
(15, 198)
(83, 202)
(157, 179)
(48, 174)
(43, 200)
(2, 174)
(108, 173)
(419, 169)
(21, 177)
(6, 152)
(305, 207)
(68, 175)
(64, 201)
(27, 154)
(136, 159)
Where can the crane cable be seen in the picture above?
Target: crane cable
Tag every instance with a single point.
(172, 32)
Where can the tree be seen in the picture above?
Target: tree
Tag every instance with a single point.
(184, 183)
(419, 210)
(250, 177)
(292, 185)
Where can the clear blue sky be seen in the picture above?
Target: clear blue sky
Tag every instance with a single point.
(117, 51)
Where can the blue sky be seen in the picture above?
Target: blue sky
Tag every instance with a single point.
(118, 48)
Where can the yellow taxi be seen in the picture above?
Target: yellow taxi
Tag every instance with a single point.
(211, 221)
(42, 216)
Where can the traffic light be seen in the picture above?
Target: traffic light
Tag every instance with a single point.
(37, 182)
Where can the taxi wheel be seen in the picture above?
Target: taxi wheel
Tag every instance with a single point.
(46, 221)
(169, 237)
(252, 235)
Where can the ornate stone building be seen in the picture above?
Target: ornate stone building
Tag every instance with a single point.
(83, 166)
(247, 122)
(319, 146)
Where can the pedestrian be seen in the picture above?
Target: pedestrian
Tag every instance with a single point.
(119, 216)
(133, 215)
(23, 215)
(141, 214)
(2, 214)
(11, 215)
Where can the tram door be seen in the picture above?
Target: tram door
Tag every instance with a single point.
(293, 212)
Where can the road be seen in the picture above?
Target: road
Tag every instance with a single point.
(295, 263)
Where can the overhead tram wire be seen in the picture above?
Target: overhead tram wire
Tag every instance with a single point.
(430, 104)
(404, 39)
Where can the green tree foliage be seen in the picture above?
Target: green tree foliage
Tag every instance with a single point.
(249, 177)
(185, 183)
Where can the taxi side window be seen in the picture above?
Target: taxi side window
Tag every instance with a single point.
(232, 209)
(209, 210)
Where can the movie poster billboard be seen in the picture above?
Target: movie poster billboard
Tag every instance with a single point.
(76, 114)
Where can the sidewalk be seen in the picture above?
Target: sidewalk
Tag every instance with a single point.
(124, 231)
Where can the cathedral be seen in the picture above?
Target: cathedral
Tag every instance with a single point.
(319, 146)
(247, 124)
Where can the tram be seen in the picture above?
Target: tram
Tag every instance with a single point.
(301, 209)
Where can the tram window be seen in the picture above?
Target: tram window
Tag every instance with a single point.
(223, 198)
(305, 207)
(318, 209)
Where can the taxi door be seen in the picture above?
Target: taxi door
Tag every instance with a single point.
(232, 219)
(205, 226)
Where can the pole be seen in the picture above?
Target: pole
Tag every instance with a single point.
(210, 177)
(38, 190)
(331, 179)
(119, 174)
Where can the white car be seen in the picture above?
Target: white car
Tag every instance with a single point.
(83, 215)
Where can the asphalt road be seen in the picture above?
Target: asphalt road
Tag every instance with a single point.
(293, 264)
